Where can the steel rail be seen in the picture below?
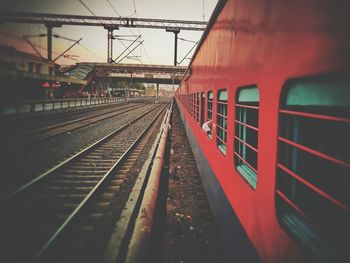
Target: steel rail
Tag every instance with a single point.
(117, 246)
(55, 126)
(138, 248)
(24, 140)
(93, 192)
(68, 161)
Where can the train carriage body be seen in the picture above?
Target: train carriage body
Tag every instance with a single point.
(273, 79)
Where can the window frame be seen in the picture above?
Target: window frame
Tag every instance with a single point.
(288, 206)
(221, 141)
(241, 163)
(210, 109)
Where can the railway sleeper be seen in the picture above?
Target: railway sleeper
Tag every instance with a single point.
(80, 177)
(70, 182)
(82, 172)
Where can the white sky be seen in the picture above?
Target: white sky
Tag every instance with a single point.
(158, 44)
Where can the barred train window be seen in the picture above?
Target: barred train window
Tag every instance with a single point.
(202, 108)
(221, 130)
(197, 108)
(246, 133)
(210, 109)
(192, 105)
(313, 169)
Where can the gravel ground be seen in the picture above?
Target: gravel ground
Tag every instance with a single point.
(25, 164)
(190, 234)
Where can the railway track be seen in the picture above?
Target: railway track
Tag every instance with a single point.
(17, 124)
(36, 135)
(38, 214)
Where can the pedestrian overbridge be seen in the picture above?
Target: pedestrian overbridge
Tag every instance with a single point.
(139, 73)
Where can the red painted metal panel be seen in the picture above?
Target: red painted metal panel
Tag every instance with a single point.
(265, 43)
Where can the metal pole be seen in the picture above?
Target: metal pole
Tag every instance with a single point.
(110, 39)
(49, 27)
(176, 32)
(175, 51)
(108, 55)
(49, 42)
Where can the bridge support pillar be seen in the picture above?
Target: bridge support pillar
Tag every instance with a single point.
(176, 32)
(157, 92)
(110, 38)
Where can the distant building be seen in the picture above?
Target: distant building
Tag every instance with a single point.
(13, 59)
(24, 76)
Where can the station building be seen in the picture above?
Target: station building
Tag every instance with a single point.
(25, 76)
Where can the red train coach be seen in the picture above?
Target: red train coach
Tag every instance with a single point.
(272, 79)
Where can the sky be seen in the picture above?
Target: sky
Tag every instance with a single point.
(158, 45)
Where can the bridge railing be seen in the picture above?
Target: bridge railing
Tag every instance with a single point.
(32, 106)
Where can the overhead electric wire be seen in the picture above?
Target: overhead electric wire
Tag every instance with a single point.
(134, 7)
(135, 13)
(69, 48)
(203, 10)
(129, 53)
(22, 40)
(115, 10)
(188, 53)
(65, 38)
(128, 40)
(81, 1)
(127, 48)
(97, 55)
(146, 53)
(143, 46)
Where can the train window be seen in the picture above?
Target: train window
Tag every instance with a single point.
(246, 133)
(210, 109)
(197, 107)
(202, 117)
(312, 184)
(221, 129)
(192, 105)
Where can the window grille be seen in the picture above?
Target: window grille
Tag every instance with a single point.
(210, 109)
(202, 117)
(313, 169)
(246, 134)
(197, 107)
(221, 129)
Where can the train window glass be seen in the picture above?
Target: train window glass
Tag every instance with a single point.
(210, 109)
(221, 127)
(202, 117)
(246, 133)
(312, 184)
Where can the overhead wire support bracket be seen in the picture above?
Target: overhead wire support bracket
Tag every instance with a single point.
(64, 52)
(129, 52)
(128, 48)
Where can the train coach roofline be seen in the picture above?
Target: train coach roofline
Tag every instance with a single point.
(219, 6)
